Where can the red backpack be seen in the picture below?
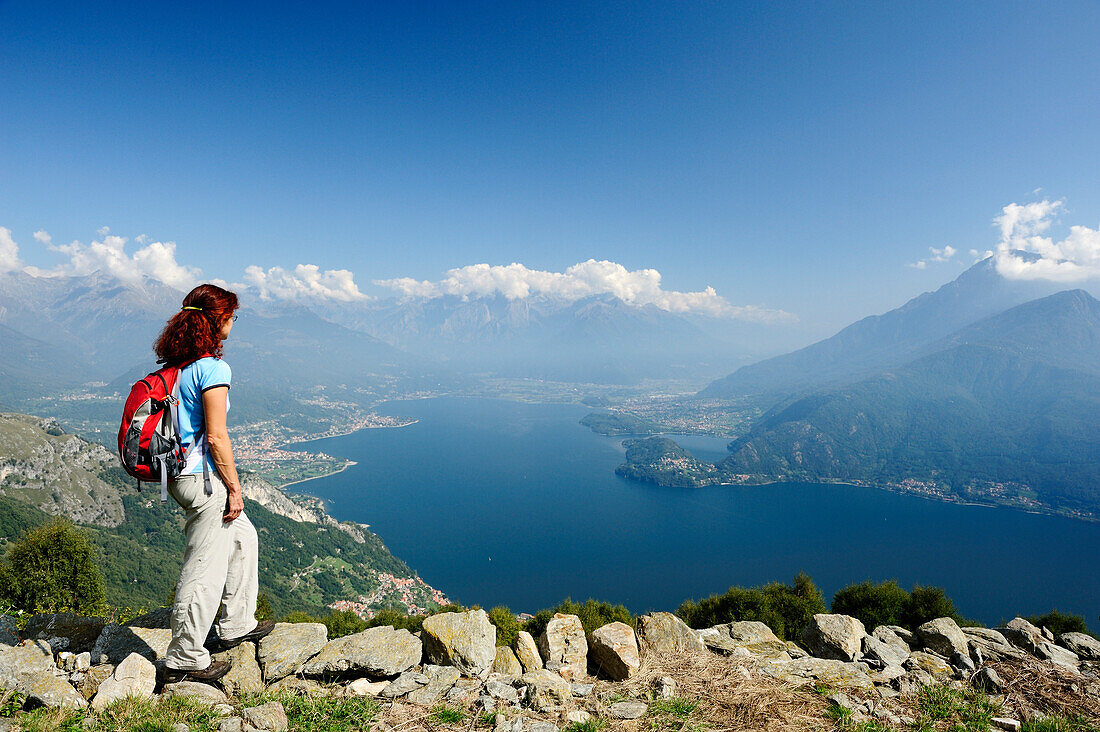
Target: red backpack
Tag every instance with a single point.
(149, 437)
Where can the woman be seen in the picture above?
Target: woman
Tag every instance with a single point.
(220, 562)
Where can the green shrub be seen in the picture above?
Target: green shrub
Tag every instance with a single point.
(786, 609)
(873, 604)
(52, 569)
(593, 614)
(1059, 622)
(507, 625)
(343, 622)
(928, 603)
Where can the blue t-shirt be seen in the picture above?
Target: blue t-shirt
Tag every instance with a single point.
(194, 379)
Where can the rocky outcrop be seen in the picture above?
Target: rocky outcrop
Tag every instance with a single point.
(440, 681)
(943, 636)
(289, 646)
(244, 675)
(666, 633)
(1086, 647)
(547, 691)
(564, 647)
(747, 636)
(467, 641)
(837, 637)
(376, 652)
(135, 676)
(615, 651)
(1030, 639)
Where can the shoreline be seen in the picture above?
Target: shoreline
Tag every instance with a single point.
(347, 463)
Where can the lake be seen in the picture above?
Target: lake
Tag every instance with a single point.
(498, 502)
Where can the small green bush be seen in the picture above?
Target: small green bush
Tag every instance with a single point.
(1059, 622)
(873, 604)
(447, 715)
(786, 609)
(507, 625)
(343, 622)
(51, 570)
(928, 603)
(593, 614)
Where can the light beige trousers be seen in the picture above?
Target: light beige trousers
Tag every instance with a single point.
(219, 570)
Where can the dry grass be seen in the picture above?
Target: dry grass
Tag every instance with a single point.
(1030, 684)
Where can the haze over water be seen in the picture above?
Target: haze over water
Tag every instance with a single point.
(499, 502)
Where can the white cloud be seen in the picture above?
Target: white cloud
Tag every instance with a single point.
(156, 260)
(936, 255)
(1024, 229)
(305, 282)
(635, 287)
(9, 252)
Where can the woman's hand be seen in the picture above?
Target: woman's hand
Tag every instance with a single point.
(234, 505)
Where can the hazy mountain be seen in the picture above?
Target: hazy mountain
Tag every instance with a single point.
(1013, 399)
(883, 341)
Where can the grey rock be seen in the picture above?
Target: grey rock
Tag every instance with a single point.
(991, 645)
(1006, 723)
(546, 690)
(501, 691)
(244, 676)
(9, 632)
(223, 710)
(440, 681)
(615, 651)
(890, 637)
(1086, 647)
(888, 653)
(795, 651)
(180, 727)
(943, 636)
(285, 649)
(506, 662)
(233, 724)
(96, 675)
(832, 673)
(835, 637)
(905, 634)
(365, 687)
(405, 683)
(508, 724)
(527, 651)
(81, 631)
(29, 668)
(203, 693)
(542, 727)
(750, 636)
(988, 681)
(487, 703)
(931, 664)
(664, 687)
(580, 689)
(662, 633)
(628, 710)
(1027, 637)
(564, 647)
(159, 618)
(134, 676)
(270, 716)
(116, 642)
(887, 674)
(49, 691)
(296, 685)
(577, 716)
(379, 651)
(466, 641)
(963, 663)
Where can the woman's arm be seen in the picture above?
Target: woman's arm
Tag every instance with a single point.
(221, 452)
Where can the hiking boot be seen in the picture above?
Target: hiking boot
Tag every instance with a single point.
(207, 675)
(262, 629)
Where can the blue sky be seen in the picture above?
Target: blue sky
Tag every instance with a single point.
(793, 156)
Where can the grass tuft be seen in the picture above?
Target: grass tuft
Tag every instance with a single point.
(595, 724)
(447, 715)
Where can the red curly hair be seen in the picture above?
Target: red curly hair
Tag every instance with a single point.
(193, 331)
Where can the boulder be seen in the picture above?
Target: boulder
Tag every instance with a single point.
(577, 716)
(288, 646)
(466, 641)
(296, 685)
(96, 675)
(828, 672)
(615, 650)
(463, 690)
(835, 637)
(379, 651)
(991, 645)
(116, 642)
(988, 681)
(233, 724)
(159, 618)
(933, 665)
(202, 693)
(1086, 647)
(81, 631)
(944, 637)
(887, 653)
(628, 710)
(564, 647)
(134, 676)
(1027, 637)
(890, 637)
(9, 632)
(25, 657)
(506, 662)
(962, 663)
(270, 716)
(537, 726)
(662, 633)
(905, 634)
(49, 691)
(365, 687)
(581, 689)
(751, 636)
(440, 681)
(527, 651)
(28, 667)
(664, 687)
(501, 691)
(244, 676)
(547, 691)
(405, 683)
